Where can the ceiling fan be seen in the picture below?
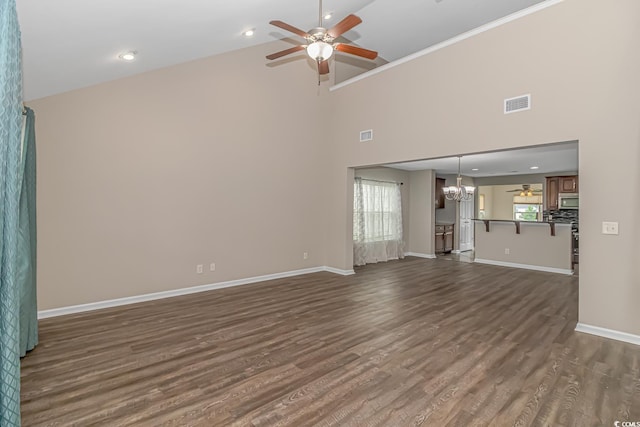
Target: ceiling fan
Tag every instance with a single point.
(526, 190)
(321, 42)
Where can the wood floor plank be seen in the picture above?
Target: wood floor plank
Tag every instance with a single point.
(409, 342)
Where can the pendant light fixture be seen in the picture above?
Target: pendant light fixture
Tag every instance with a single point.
(459, 192)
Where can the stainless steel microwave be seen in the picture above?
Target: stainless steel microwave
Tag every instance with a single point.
(568, 201)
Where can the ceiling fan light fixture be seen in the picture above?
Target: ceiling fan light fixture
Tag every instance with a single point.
(319, 51)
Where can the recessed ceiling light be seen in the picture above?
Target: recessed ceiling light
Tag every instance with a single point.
(328, 16)
(534, 167)
(128, 56)
(249, 33)
(475, 169)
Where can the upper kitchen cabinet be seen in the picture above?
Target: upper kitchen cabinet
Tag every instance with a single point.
(568, 184)
(557, 185)
(552, 193)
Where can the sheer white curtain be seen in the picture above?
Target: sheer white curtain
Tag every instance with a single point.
(377, 222)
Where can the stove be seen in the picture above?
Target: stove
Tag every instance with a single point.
(567, 216)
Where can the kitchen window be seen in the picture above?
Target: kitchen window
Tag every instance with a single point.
(527, 208)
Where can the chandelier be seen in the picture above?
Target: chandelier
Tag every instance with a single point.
(459, 192)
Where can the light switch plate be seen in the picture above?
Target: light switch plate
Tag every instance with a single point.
(609, 227)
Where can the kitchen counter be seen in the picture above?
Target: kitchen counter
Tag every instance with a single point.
(536, 245)
(552, 224)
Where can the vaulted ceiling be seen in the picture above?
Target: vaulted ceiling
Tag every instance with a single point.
(68, 44)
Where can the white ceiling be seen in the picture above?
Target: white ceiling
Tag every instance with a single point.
(68, 44)
(548, 158)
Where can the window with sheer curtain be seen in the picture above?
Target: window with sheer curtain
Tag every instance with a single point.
(377, 222)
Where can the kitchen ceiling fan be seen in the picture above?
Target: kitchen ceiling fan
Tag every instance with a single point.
(526, 190)
(321, 42)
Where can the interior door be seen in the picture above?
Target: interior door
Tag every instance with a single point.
(466, 225)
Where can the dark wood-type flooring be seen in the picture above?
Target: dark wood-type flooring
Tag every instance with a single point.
(412, 342)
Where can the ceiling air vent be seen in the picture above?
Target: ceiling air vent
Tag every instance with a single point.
(366, 135)
(519, 103)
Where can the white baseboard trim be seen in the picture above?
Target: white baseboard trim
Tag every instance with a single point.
(81, 308)
(608, 333)
(525, 266)
(338, 271)
(419, 255)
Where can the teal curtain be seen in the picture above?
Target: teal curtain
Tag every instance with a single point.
(27, 238)
(10, 186)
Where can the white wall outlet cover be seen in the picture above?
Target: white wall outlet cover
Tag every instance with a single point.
(212, 266)
(609, 227)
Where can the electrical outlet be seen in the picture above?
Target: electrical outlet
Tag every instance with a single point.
(507, 251)
(212, 266)
(610, 228)
(305, 255)
(199, 269)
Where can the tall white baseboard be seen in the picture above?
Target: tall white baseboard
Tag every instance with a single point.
(608, 333)
(419, 255)
(525, 266)
(338, 271)
(43, 314)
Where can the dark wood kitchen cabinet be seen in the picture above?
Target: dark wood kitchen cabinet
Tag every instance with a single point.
(557, 185)
(439, 199)
(552, 193)
(568, 184)
(444, 238)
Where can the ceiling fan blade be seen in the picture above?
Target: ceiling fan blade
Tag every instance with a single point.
(285, 52)
(323, 67)
(290, 28)
(343, 26)
(358, 51)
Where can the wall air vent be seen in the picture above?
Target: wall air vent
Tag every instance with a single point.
(366, 135)
(519, 103)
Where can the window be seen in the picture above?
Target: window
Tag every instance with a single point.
(377, 211)
(527, 208)
(377, 221)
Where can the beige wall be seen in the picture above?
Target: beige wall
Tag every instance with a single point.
(534, 246)
(487, 191)
(141, 179)
(422, 212)
(501, 201)
(580, 62)
(348, 66)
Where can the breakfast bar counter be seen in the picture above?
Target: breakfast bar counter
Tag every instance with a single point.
(536, 245)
